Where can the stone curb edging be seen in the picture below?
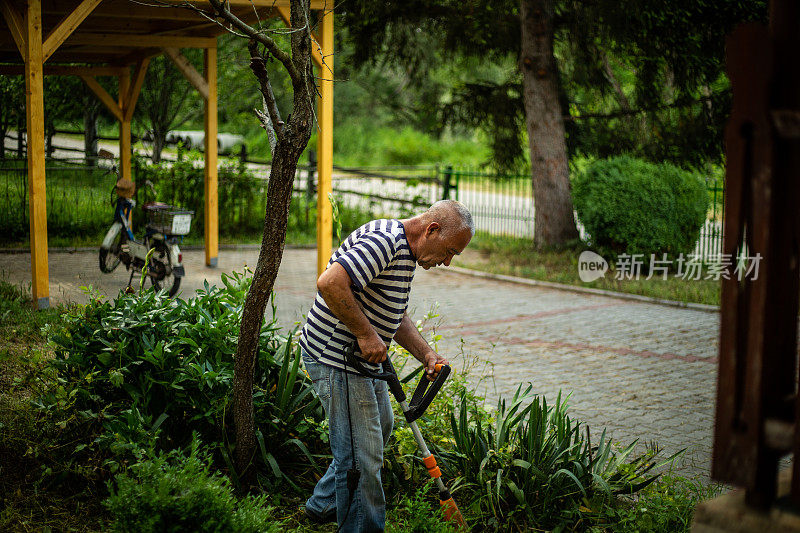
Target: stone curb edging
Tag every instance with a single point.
(584, 290)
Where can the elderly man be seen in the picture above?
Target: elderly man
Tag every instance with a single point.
(361, 304)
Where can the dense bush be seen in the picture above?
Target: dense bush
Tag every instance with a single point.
(173, 492)
(666, 505)
(242, 196)
(242, 199)
(77, 201)
(635, 207)
(145, 370)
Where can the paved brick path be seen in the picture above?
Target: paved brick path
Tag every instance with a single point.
(643, 371)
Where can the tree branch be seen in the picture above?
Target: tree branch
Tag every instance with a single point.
(272, 114)
(286, 60)
(688, 102)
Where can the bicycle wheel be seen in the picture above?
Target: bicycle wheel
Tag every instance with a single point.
(109, 257)
(160, 270)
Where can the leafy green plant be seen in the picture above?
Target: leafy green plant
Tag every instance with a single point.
(666, 505)
(418, 512)
(145, 371)
(631, 206)
(534, 463)
(176, 492)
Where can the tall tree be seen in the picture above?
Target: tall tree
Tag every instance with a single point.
(552, 195)
(670, 52)
(165, 103)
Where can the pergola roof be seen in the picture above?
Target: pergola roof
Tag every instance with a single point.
(89, 38)
(121, 32)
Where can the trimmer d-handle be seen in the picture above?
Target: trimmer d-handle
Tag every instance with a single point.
(423, 395)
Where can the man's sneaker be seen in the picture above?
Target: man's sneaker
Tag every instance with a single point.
(317, 518)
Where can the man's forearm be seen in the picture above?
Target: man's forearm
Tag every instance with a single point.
(409, 338)
(343, 304)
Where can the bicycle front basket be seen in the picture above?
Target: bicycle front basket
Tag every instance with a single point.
(168, 219)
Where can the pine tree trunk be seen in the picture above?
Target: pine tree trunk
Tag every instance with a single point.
(554, 219)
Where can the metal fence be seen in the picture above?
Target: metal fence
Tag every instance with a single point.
(78, 198)
(502, 204)
(394, 191)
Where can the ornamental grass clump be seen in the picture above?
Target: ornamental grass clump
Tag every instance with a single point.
(534, 465)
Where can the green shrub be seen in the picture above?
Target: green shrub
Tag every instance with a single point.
(635, 207)
(77, 201)
(666, 505)
(174, 492)
(242, 199)
(144, 370)
(241, 196)
(418, 512)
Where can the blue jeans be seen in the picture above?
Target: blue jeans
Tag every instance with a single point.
(371, 420)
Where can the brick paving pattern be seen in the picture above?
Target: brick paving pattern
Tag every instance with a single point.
(643, 371)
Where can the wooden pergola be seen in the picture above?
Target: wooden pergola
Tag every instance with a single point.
(90, 38)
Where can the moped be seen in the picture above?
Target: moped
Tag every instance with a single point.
(158, 249)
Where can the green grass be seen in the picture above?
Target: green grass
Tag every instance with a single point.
(517, 257)
(25, 503)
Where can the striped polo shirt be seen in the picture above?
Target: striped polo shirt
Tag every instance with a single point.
(381, 266)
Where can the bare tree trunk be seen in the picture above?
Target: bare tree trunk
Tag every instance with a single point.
(21, 128)
(90, 113)
(554, 219)
(292, 138)
(159, 140)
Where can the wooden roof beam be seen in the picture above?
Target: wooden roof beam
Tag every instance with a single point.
(315, 4)
(134, 57)
(130, 10)
(67, 25)
(64, 70)
(187, 69)
(104, 97)
(115, 40)
(135, 89)
(15, 24)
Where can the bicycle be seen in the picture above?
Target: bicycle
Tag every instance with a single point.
(158, 249)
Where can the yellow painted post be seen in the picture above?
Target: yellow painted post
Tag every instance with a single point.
(125, 132)
(37, 194)
(325, 145)
(211, 218)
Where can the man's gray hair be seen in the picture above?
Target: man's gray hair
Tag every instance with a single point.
(452, 215)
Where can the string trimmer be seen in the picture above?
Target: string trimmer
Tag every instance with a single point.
(423, 396)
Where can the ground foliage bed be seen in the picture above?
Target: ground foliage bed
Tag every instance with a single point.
(114, 416)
